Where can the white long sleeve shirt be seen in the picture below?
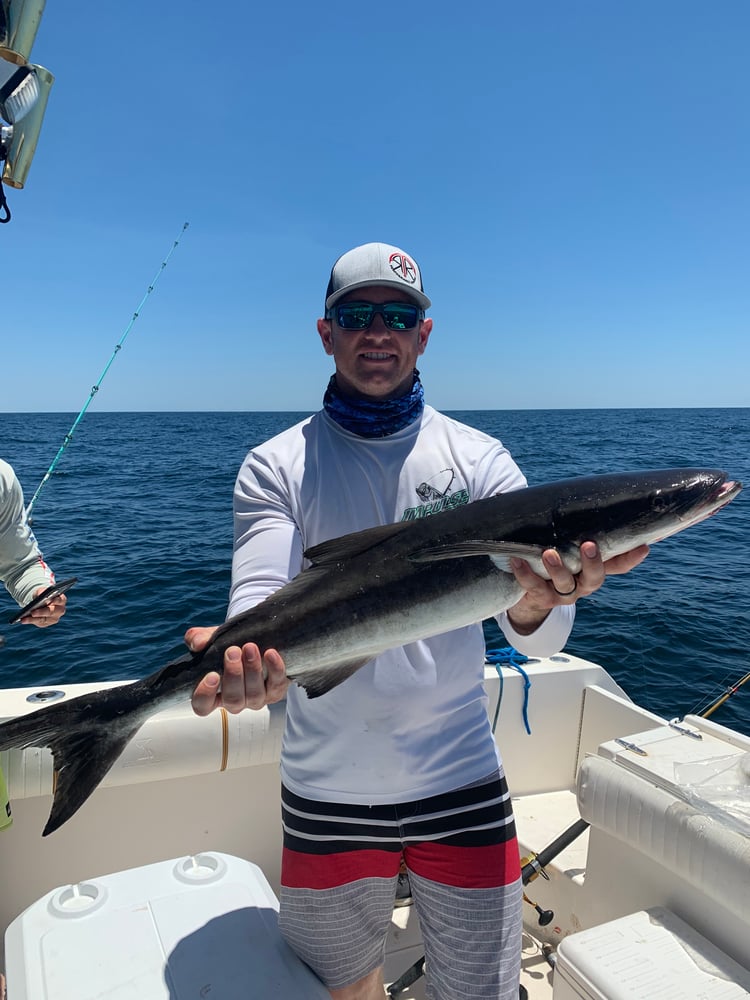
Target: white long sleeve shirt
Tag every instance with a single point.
(412, 722)
(22, 568)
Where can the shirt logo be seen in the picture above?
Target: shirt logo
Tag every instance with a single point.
(403, 267)
(436, 486)
(436, 495)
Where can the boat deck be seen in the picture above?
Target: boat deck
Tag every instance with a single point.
(189, 785)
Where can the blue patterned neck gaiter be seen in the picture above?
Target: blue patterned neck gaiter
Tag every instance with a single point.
(377, 418)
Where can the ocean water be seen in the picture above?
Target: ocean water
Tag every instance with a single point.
(139, 509)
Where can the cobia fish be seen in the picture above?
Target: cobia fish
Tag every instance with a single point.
(372, 590)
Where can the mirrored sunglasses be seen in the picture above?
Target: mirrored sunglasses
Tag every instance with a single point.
(360, 315)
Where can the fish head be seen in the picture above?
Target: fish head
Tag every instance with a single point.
(622, 511)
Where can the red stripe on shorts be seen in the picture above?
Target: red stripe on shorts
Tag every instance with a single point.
(324, 871)
(466, 867)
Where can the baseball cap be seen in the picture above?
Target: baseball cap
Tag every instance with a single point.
(376, 264)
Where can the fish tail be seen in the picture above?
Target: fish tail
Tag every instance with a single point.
(85, 741)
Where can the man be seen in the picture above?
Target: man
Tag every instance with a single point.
(25, 574)
(23, 571)
(400, 758)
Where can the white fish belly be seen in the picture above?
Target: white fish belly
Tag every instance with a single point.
(368, 634)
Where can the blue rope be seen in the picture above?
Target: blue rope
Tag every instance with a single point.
(510, 657)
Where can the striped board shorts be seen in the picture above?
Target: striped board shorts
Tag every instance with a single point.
(340, 866)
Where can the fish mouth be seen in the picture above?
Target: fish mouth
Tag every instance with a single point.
(728, 491)
(715, 500)
(731, 486)
(716, 496)
(725, 492)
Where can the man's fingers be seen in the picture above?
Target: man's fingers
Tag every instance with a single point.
(47, 614)
(233, 695)
(248, 680)
(564, 587)
(206, 695)
(526, 575)
(277, 681)
(197, 639)
(592, 573)
(564, 583)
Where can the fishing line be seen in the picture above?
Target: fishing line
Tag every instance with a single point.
(708, 699)
(95, 388)
(709, 704)
(646, 666)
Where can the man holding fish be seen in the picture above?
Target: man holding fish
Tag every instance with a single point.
(400, 759)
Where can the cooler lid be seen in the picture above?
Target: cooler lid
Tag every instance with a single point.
(200, 926)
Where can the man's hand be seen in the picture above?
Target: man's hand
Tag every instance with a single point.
(47, 614)
(249, 680)
(563, 587)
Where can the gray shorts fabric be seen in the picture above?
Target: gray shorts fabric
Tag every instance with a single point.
(339, 878)
(472, 937)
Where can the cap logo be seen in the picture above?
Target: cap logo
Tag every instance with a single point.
(403, 267)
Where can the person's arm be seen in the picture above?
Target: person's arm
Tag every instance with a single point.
(23, 571)
(267, 554)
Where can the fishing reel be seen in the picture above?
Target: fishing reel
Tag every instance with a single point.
(24, 90)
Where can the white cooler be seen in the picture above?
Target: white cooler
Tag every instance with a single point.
(650, 955)
(204, 926)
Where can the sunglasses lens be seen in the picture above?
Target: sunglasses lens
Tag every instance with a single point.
(355, 316)
(400, 316)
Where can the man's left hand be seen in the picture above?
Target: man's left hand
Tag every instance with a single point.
(563, 587)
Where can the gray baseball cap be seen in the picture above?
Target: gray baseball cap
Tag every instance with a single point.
(376, 264)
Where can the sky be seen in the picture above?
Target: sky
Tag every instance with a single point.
(572, 177)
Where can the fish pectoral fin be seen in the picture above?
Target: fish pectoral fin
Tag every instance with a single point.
(348, 546)
(501, 552)
(318, 682)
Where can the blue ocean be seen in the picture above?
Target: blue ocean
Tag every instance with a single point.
(139, 509)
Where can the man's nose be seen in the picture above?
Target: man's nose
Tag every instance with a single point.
(378, 325)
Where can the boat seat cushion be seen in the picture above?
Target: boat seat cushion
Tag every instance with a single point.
(708, 854)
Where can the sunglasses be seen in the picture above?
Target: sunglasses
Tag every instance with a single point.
(360, 315)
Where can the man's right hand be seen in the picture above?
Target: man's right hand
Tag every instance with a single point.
(249, 680)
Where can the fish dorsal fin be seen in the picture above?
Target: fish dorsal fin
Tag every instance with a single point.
(500, 552)
(348, 546)
(318, 682)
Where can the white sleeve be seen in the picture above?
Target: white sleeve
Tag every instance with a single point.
(546, 640)
(267, 541)
(22, 569)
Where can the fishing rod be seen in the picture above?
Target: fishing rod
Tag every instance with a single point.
(727, 694)
(95, 388)
(724, 696)
(535, 864)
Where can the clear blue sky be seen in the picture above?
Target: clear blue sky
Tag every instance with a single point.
(573, 178)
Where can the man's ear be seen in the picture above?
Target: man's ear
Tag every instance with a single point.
(326, 335)
(425, 330)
